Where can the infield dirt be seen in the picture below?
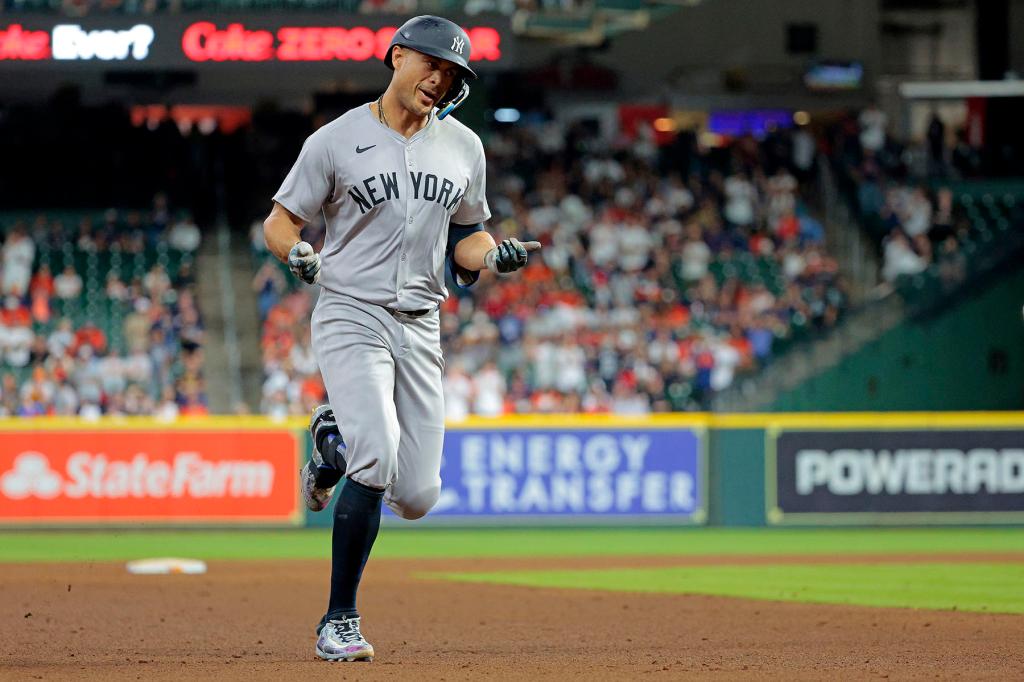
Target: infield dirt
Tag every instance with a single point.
(250, 620)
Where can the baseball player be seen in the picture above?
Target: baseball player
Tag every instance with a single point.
(401, 185)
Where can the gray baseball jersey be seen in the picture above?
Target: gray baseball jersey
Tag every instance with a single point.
(387, 201)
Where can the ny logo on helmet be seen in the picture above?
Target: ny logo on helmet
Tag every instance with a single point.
(457, 44)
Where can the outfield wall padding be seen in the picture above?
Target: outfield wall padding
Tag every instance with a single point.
(566, 470)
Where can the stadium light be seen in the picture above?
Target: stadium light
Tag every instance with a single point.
(664, 125)
(506, 115)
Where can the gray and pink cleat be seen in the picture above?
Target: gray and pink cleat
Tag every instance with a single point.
(341, 640)
(318, 477)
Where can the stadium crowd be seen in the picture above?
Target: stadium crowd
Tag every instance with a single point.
(900, 191)
(100, 318)
(665, 272)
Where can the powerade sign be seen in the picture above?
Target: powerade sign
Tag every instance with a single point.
(555, 473)
(829, 475)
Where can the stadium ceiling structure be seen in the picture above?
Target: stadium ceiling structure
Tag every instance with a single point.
(592, 24)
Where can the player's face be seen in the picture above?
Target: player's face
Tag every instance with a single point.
(423, 79)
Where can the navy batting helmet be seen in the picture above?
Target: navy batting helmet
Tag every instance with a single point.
(442, 39)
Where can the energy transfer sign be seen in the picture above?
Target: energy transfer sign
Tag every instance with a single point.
(578, 473)
(124, 476)
(896, 476)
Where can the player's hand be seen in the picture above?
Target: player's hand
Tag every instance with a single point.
(304, 263)
(509, 255)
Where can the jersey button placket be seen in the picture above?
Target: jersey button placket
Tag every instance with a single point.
(403, 267)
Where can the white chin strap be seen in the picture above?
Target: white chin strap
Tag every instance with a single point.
(454, 104)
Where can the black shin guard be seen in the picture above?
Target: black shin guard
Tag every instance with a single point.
(332, 451)
(356, 522)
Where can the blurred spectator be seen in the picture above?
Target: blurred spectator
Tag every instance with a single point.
(167, 409)
(805, 148)
(901, 258)
(68, 284)
(269, 284)
(936, 145)
(739, 206)
(137, 325)
(89, 335)
(184, 234)
(916, 213)
(156, 282)
(873, 122)
(489, 391)
(18, 253)
(116, 289)
(458, 392)
(17, 338)
(42, 282)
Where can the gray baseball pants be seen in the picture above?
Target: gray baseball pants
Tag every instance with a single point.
(383, 374)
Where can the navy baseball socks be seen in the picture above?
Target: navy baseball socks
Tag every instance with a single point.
(356, 523)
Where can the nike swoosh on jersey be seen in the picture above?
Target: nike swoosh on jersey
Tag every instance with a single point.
(360, 150)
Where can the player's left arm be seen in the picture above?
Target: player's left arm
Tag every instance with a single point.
(478, 252)
(470, 248)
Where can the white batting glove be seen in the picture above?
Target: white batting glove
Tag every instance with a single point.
(304, 263)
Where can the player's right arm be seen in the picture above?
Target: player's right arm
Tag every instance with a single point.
(302, 195)
(281, 231)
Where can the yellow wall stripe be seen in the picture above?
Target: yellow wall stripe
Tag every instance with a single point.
(803, 420)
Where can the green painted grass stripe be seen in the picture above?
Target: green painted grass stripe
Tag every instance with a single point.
(427, 542)
(994, 588)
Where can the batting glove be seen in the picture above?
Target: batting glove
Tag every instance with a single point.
(304, 263)
(509, 255)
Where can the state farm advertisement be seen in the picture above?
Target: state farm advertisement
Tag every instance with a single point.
(160, 476)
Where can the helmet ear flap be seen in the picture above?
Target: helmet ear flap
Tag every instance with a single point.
(455, 96)
(389, 57)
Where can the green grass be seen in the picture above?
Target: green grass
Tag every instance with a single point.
(438, 543)
(995, 588)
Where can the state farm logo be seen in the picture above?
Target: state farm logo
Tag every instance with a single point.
(94, 475)
(30, 476)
